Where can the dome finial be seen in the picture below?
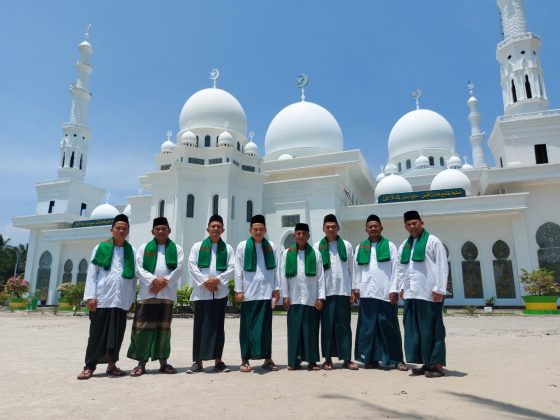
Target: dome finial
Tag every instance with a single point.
(214, 74)
(87, 32)
(470, 85)
(416, 94)
(301, 81)
(107, 198)
(251, 135)
(169, 134)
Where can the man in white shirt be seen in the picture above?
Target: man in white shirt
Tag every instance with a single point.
(303, 290)
(423, 272)
(159, 266)
(257, 289)
(338, 266)
(109, 292)
(211, 267)
(378, 336)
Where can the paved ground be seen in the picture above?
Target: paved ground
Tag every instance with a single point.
(499, 367)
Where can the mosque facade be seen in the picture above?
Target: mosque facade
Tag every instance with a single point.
(494, 221)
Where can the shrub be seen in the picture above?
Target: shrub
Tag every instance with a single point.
(539, 282)
(16, 286)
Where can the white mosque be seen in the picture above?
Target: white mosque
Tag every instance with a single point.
(494, 221)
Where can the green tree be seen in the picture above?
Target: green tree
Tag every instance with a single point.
(9, 257)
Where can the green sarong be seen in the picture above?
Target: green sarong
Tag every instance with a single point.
(336, 333)
(378, 336)
(303, 334)
(424, 332)
(255, 329)
(151, 330)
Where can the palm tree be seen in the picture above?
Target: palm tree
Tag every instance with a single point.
(12, 259)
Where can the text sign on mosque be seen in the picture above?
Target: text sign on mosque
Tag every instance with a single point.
(422, 195)
(92, 223)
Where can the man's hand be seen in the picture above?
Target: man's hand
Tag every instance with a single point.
(319, 304)
(402, 294)
(437, 297)
(158, 284)
(286, 304)
(92, 304)
(354, 296)
(212, 284)
(393, 298)
(275, 297)
(239, 296)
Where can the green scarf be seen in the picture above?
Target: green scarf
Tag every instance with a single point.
(382, 251)
(325, 254)
(419, 249)
(151, 253)
(205, 255)
(310, 261)
(250, 258)
(104, 257)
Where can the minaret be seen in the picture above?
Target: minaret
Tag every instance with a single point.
(520, 67)
(76, 134)
(477, 136)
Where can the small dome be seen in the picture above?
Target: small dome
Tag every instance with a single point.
(211, 108)
(467, 166)
(380, 176)
(285, 156)
(188, 138)
(304, 129)
(86, 47)
(104, 211)
(418, 130)
(421, 162)
(225, 139)
(392, 184)
(451, 178)
(251, 149)
(167, 146)
(454, 162)
(127, 210)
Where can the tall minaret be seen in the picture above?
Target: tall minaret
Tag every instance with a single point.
(520, 66)
(76, 134)
(477, 136)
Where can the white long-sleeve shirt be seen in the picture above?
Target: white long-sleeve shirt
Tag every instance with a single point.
(258, 284)
(420, 279)
(197, 276)
(338, 278)
(301, 289)
(108, 287)
(376, 279)
(146, 278)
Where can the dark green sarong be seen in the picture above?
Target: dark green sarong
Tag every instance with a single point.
(378, 336)
(424, 332)
(336, 333)
(151, 330)
(106, 333)
(303, 335)
(208, 330)
(255, 329)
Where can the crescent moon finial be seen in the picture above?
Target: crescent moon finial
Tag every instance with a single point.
(470, 85)
(169, 134)
(87, 32)
(301, 81)
(214, 74)
(416, 94)
(251, 135)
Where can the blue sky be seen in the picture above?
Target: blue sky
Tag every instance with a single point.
(363, 58)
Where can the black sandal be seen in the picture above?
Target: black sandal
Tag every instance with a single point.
(167, 368)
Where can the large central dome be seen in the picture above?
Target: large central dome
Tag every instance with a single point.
(302, 129)
(213, 107)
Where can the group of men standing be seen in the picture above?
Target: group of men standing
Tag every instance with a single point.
(317, 284)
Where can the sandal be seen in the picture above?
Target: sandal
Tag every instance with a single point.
(402, 366)
(350, 365)
(313, 366)
(167, 368)
(245, 368)
(85, 374)
(270, 366)
(138, 371)
(116, 372)
(327, 366)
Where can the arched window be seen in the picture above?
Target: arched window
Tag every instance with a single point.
(232, 207)
(400, 167)
(441, 161)
(82, 271)
(249, 211)
(81, 160)
(207, 141)
(472, 276)
(196, 141)
(44, 273)
(503, 271)
(528, 88)
(513, 91)
(289, 240)
(63, 159)
(548, 240)
(216, 204)
(67, 275)
(408, 164)
(161, 212)
(238, 146)
(431, 159)
(190, 205)
(72, 160)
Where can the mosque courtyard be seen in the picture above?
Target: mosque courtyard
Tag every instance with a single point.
(499, 366)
